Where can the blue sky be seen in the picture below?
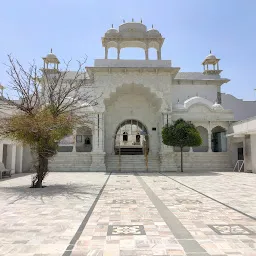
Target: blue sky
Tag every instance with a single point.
(73, 28)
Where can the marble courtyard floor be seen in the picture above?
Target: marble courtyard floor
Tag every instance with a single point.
(98, 214)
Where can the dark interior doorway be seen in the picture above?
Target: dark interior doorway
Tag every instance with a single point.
(240, 154)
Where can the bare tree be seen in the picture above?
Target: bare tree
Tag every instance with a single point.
(49, 105)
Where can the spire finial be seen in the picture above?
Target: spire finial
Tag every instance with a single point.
(132, 19)
(210, 51)
(152, 25)
(123, 21)
(51, 50)
(112, 25)
(140, 20)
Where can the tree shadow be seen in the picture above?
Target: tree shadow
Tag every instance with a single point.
(61, 191)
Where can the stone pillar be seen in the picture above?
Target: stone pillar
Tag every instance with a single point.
(74, 145)
(98, 154)
(98, 132)
(159, 57)
(146, 53)
(106, 52)
(209, 137)
(118, 53)
(13, 162)
(1, 151)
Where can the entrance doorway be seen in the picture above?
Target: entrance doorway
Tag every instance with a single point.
(131, 138)
(240, 154)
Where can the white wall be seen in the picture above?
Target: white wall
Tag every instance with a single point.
(242, 109)
(184, 91)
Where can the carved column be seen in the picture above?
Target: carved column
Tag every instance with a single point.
(209, 137)
(98, 140)
(98, 154)
(106, 52)
(159, 55)
(146, 53)
(118, 53)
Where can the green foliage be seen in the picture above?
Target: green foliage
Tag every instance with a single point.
(181, 134)
(42, 130)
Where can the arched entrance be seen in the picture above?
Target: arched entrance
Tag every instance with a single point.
(131, 138)
(219, 139)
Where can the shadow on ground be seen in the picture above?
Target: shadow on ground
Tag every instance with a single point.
(67, 191)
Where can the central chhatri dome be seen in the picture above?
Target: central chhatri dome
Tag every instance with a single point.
(133, 34)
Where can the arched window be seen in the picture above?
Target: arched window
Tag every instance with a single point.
(219, 139)
(125, 136)
(204, 135)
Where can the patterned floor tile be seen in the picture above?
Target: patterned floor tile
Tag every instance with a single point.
(122, 230)
(124, 201)
(231, 229)
(188, 201)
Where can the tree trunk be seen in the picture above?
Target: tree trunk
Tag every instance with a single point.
(41, 171)
(181, 159)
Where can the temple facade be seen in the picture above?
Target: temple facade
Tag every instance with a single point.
(136, 98)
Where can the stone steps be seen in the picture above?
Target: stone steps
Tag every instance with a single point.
(68, 162)
(131, 163)
(212, 161)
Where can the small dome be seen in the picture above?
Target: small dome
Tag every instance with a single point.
(112, 31)
(210, 57)
(132, 26)
(51, 56)
(217, 106)
(153, 32)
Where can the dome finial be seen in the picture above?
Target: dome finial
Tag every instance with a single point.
(178, 100)
(140, 20)
(210, 51)
(112, 25)
(123, 21)
(51, 50)
(152, 26)
(132, 19)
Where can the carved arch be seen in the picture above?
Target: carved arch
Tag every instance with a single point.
(197, 101)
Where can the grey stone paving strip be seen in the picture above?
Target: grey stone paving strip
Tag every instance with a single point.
(230, 207)
(189, 244)
(79, 231)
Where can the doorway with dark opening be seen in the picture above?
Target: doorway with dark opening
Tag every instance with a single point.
(131, 138)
